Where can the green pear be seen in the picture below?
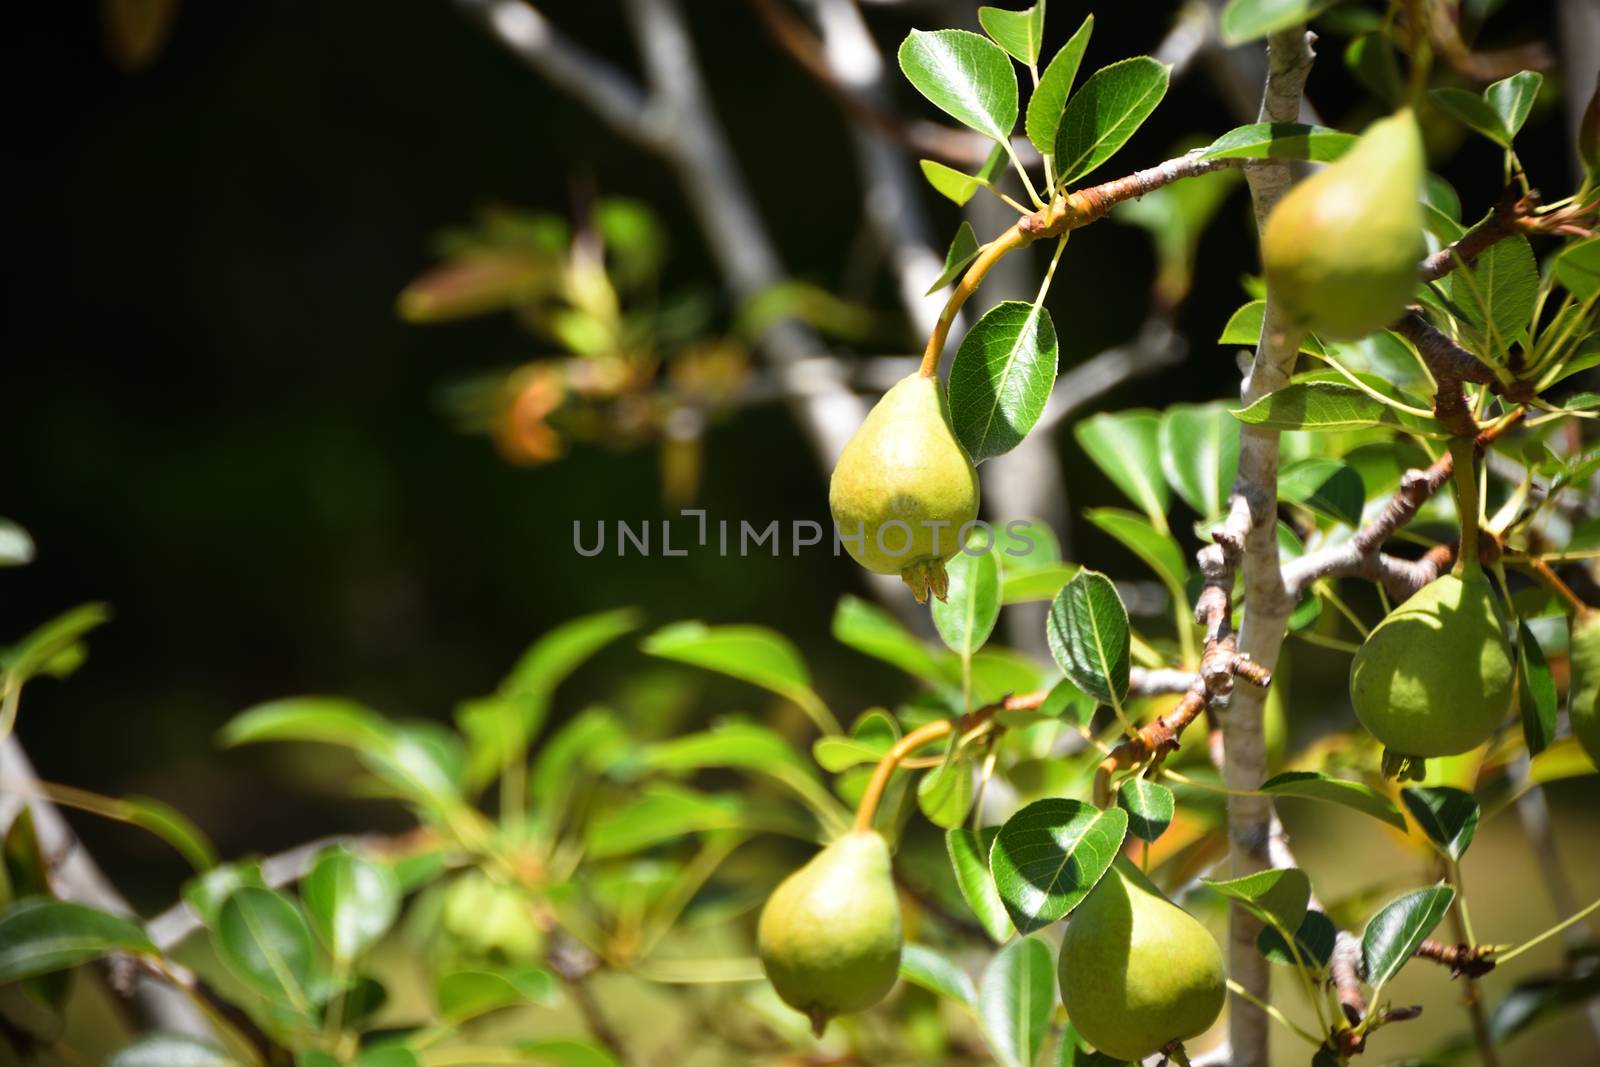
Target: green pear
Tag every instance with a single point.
(904, 487)
(1341, 249)
(1137, 971)
(829, 936)
(1434, 678)
(1583, 695)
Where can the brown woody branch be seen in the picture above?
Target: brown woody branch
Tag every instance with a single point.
(1473, 961)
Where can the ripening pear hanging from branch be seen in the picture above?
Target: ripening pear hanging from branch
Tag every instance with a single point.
(1340, 251)
(904, 488)
(829, 936)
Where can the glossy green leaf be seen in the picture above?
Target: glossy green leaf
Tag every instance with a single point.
(1016, 999)
(1394, 934)
(1449, 817)
(264, 940)
(868, 628)
(1036, 583)
(1002, 377)
(1049, 99)
(1088, 634)
(1512, 98)
(1326, 486)
(1316, 786)
(170, 1050)
(1244, 328)
(963, 250)
(922, 966)
(1105, 113)
(173, 827)
(1277, 896)
(1474, 111)
(39, 935)
(206, 892)
(1155, 548)
(969, 857)
(1314, 942)
(350, 900)
(1280, 140)
(1199, 446)
(464, 995)
(968, 77)
(1536, 691)
(1048, 856)
(1325, 405)
(1246, 20)
(750, 653)
(1150, 807)
(1020, 33)
(1545, 995)
(1126, 446)
(957, 186)
(966, 617)
(423, 762)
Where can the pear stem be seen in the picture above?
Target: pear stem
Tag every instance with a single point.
(991, 254)
(925, 734)
(1466, 479)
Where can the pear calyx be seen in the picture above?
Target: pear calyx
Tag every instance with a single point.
(904, 488)
(829, 936)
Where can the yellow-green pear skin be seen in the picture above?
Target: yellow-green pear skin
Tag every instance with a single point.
(1434, 678)
(1137, 971)
(829, 936)
(1341, 250)
(1583, 695)
(904, 487)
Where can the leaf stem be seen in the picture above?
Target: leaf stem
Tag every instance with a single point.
(1507, 957)
(1277, 1016)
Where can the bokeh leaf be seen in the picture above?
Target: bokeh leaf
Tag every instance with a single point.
(264, 940)
(351, 901)
(1015, 1000)
(1126, 446)
(922, 966)
(1021, 33)
(969, 857)
(39, 935)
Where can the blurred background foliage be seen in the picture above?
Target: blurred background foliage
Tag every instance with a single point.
(220, 425)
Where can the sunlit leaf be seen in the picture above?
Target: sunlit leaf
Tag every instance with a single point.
(39, 935)
(1088, 634)
(264, 940)
(1049, 99)
(967, 76)
(966, 617)
(1394, 934)
(464, 995)
(1015, 1000)
(1002, 377)
(1317, 786)
(1105, 113)
(1019, 32)
(1280, 140)
(1126, 446)
(1149, 805)
(922, 966)
(969, 857)
(1536, 691)
(1049, 855)
(963, 250)
(351, 901)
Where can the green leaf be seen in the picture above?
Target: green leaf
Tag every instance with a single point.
(1512, 98)
(1316, 786)
(966, 617)
(1126, 446)
(662, 812)
(1371, 59)
(922, 966)
(351, 901)
(564, 1052)
(1019, 32)
(944, 794)
(1326, 486)
(464, 995)
(1199, 446)
(423, 763)
(1036, 583)
(264, 940)
(967, 76)
(16, 547)
(1105, 113)
(963, 250)
(1244, 328)
(956, 185)
(1277, 896)
(1544, 995)
(592, 742)
(550, 659)
(170, 1050)
(1314, 939)
(1394, 934)
(1475, 112)
(389, 1055)
(1280, 140)
(872, 735)
(173, 827)
(1449, 817)
(39, 935)
(1016, 999)
(870, 629)
(206, 893)
(1049, 855)
(328, 720)
(32, 654)
(1149, 805)
(969, 857)
(1245, 20)
(1088, 634)
(1322, 405)
(1495, 296)
(1157, 549)
(1049, 99)
(1536, 691)
(1577, 266)
(1002, 377)
(750, 653)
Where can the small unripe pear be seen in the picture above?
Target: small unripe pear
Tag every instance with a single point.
(1137, 971)
(1341, 249)
(829, 935)
(904, 487)
(1434, 678)
(1583, 695)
